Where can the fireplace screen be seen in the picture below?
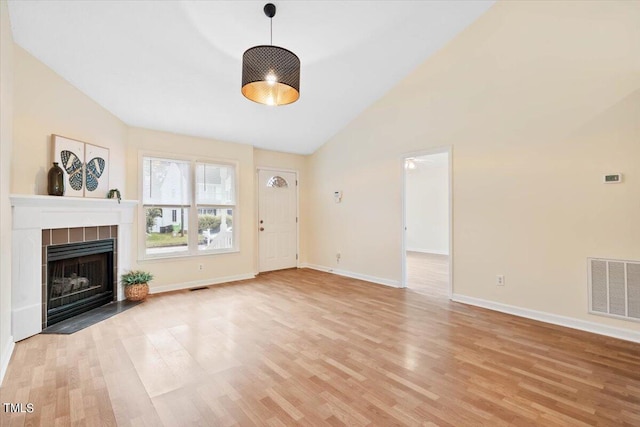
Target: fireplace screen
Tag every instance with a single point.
(79, 278)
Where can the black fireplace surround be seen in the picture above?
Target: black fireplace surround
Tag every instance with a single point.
(79, 278)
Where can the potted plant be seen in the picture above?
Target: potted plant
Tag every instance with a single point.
(114, 193)
(136, 284)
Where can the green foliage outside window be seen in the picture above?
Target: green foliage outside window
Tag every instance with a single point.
(152, 214)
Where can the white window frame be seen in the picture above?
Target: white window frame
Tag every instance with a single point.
(192, 232)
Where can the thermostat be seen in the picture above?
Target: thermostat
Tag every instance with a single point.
(337, 196)
(614, 178)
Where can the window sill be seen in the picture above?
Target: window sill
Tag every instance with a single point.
(184, 256)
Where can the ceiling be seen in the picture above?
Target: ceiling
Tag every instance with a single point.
(176, 66)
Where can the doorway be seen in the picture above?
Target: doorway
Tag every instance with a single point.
(426, 249)
(277, 219)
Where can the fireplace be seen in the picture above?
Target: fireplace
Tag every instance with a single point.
(42, 221)
(79, 278)
(79, 270)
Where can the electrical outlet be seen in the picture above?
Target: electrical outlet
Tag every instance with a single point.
(338, 256)
(200, 266)
(500, 280)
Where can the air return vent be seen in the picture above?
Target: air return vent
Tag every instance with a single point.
(614, 288)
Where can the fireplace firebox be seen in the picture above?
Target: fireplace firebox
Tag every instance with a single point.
(79, 278)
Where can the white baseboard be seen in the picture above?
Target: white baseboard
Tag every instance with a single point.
(569, 322)
(6, 357)
(351, 274)
(198, 283)
(427, 251)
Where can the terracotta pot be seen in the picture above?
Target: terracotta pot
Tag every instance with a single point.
(136, 292)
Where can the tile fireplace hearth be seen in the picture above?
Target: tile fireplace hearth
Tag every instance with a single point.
(44, 222)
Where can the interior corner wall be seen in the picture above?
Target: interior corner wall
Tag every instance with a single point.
(184, 272)
(538, 101)
(297, 162)
(427, 207)
(46, 104)
(43, 103)
(6, 143)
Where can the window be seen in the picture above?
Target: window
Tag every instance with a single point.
(177, 193)
(277, 182)
(215, 199)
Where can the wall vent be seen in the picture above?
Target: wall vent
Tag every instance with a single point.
(614, 288)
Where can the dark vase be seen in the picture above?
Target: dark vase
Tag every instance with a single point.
(55, 180)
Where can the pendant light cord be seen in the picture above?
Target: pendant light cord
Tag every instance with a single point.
(271, 30)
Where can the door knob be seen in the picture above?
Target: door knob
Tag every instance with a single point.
(261, 228)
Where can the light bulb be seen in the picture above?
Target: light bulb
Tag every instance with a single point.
(409, 164)
(271, 79)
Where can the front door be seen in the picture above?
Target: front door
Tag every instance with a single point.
(277, 219)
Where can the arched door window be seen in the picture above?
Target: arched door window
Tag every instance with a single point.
(277, 182)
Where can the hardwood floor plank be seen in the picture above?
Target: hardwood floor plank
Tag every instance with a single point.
(301, 347)
(428, 274)
(289, 409)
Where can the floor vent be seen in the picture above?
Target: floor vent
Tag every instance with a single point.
(199, 289)
(614, 288)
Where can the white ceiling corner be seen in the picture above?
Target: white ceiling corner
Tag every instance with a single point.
(176, 65)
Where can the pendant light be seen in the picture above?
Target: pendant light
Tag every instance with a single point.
(270, 74)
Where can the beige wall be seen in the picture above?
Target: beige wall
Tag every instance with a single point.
(184, 272)
(6, 142)
(538, 101)
(294, 162)
(46, 104)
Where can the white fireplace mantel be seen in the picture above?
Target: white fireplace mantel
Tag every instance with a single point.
(31, 215)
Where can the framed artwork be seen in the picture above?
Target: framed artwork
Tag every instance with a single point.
(85, 166)
(96, 171)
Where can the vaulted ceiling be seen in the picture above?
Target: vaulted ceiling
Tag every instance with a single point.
(176, 66)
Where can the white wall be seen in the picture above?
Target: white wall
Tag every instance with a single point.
(538, 101)
(427, 205)
(6, 143)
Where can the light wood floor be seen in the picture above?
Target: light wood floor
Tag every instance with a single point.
(301, 347)
(428, 274)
